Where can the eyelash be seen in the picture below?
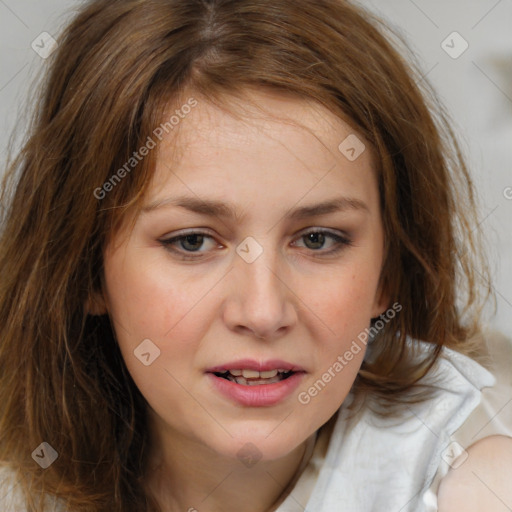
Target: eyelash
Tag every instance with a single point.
(341, 243)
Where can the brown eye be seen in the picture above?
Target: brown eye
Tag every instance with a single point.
(316, 240)
(190, 245)
(191, 242)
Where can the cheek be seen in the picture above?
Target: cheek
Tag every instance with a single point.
(344, 307)
(147, 300)
(346, 300)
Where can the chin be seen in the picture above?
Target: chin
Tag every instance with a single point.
(260, 443)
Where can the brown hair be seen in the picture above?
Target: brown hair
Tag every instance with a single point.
(117, 67)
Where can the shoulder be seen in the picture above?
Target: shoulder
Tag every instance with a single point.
(10, 496)
(482, 482)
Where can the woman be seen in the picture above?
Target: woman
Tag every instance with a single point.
(230, 271)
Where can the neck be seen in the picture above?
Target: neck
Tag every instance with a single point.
(184, 475)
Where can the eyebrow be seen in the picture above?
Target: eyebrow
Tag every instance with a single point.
(214, 208)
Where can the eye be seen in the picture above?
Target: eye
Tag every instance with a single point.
(316, 239)
(190, 242)
(186, 244)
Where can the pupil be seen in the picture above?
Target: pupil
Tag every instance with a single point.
(191, 239)
(316, 238)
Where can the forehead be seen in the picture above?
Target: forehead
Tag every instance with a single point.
(270, 139)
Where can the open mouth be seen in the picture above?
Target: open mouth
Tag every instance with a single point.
(252, 383)
(254, 377)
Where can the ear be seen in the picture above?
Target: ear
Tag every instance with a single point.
(382, 300)
(96, 304)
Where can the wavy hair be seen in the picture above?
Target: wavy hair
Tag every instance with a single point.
(118, 65)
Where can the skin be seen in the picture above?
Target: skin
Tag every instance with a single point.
(482, 482)
(294, 302)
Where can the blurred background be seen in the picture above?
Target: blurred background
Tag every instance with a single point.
(464, 48)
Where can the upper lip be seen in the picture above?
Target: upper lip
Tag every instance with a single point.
(251, 364)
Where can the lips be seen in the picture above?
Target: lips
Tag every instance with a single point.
(251, 372)
(250, 383)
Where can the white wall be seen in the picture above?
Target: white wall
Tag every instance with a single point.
(476, 87)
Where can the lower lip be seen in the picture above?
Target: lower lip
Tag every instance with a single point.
(262, 395)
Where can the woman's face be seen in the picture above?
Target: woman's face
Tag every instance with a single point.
(277, 269)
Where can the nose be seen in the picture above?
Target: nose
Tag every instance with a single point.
(260, 301)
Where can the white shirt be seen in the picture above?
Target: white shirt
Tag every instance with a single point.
(371, 464)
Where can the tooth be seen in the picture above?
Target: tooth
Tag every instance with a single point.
(280, 370)
(250, 374)
(263, 382)
(255, 382)
(236, 373)
(269, 374)
(241, 380)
